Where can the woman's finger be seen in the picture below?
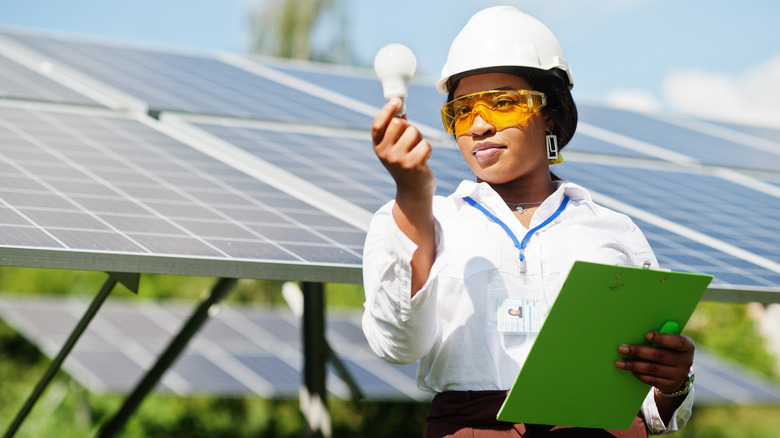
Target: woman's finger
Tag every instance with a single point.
(667, 378)
(410, 138)
(652, 354)
(664, 384)
(672, 342)
(383, 119)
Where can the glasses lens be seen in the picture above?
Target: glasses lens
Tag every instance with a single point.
(499, 108)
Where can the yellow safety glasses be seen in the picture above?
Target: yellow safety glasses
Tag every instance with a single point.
(499, 108)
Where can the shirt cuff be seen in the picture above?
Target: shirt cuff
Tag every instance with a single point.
(655, 424)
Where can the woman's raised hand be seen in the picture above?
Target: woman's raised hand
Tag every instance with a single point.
(404, 153)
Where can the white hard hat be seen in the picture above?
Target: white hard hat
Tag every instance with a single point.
(504, 37)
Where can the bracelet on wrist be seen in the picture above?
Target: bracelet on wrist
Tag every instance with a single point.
(686, 388)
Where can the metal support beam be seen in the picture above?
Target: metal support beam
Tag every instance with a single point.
(166, 359)
(294, 296)
(92, 310)
(315, 352)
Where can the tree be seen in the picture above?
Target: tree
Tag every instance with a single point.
(286, 28)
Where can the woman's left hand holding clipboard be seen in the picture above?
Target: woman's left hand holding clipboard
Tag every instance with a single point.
(665, 365)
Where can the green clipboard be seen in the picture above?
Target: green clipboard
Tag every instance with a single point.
(569, 377)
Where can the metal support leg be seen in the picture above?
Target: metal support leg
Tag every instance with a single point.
(171, 353)
(294, 296)
(92, 310)
(313, 394)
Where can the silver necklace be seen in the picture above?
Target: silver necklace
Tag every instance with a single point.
(521, 206)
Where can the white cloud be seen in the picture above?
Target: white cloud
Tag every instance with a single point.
(752, 96)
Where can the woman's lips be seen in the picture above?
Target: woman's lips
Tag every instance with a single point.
(484, 151)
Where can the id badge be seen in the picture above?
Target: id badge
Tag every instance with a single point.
(519, 303)
(517, 315)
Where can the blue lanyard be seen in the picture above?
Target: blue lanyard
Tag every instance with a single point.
(520, 245)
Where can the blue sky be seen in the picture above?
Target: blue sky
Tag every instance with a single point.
(714, 58)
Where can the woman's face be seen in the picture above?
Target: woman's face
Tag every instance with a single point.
(513, 153)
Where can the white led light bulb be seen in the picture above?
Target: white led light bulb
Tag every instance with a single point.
(395, 66)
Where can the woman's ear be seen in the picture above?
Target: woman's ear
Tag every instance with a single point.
(549, 122)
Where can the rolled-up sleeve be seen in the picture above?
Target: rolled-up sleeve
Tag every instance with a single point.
(399, 328)
(653, 419)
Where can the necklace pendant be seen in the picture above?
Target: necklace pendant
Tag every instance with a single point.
(520, 209)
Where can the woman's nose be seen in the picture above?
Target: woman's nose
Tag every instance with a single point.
(479, 124)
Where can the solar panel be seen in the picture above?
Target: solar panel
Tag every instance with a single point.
(672, 137)
(702, 144)
(340, 162)
(98, 182)
(422, 104)
(20, 82)
(191, 83)
(726, 211)
(239, 352)
(771, 180)
(683, 254)
(764, 132)
(257, 352)
(592, 141)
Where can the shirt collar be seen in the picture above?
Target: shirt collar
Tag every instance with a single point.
(485, 195)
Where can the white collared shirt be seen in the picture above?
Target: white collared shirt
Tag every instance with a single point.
(449, 325)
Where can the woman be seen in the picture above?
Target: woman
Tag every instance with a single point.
(438, 271)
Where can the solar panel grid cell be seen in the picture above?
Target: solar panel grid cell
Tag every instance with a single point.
(19, 82)
(285, 379)
(582, 142)
(346, 167)
(768, 135)
(117, 375)
(324, 161)
(369, 381)
(206, 377)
